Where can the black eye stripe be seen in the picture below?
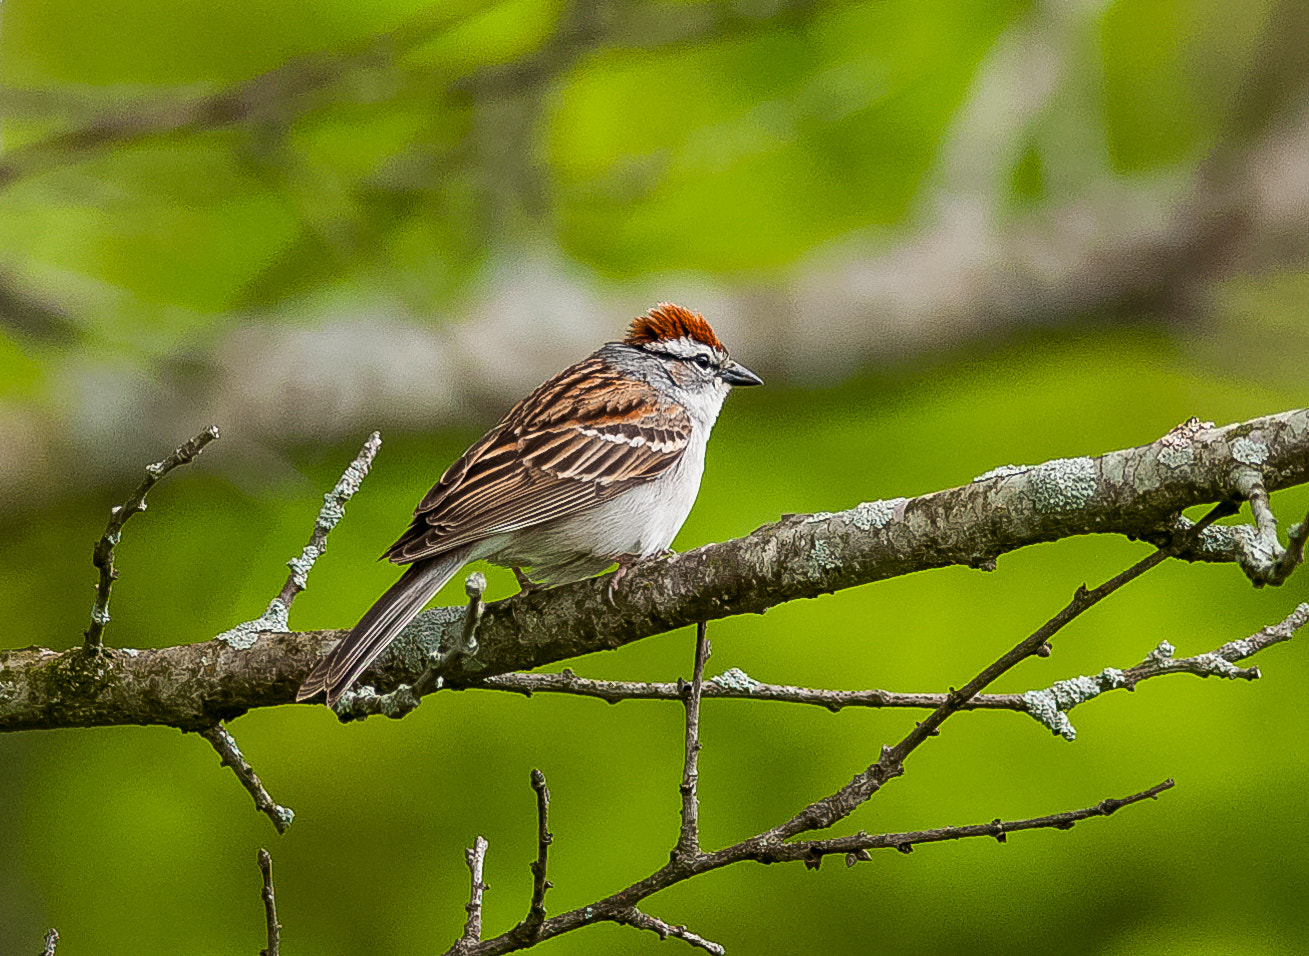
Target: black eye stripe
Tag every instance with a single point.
(702, 360)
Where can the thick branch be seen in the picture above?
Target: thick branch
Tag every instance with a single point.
(1133, 492)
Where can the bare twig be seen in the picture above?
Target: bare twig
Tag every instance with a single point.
(476, 858)
(270, 906)
(811, 852)
(230, 753)
(51, 940)
(1048, 705)
(531, 924)
(621, 906)
(275, 615)
(688, 839)
(631, 916)
(103, 556)
(474, 587)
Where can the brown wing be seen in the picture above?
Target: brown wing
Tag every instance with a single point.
(548, 459)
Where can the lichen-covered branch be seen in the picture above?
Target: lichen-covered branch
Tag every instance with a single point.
(1137, 492)
(1051, 705)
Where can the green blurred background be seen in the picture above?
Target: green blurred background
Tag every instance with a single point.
(951, 235)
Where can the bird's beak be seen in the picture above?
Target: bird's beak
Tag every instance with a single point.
(733, 373)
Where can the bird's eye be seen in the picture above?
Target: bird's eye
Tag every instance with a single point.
(702, 361)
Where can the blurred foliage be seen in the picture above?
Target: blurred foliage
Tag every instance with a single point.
(173, 169)
(398, 139)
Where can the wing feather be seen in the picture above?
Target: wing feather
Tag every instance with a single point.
(583, 436)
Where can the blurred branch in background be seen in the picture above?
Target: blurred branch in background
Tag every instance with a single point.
(375, 226)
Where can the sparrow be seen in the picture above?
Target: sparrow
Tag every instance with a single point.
(599, 466)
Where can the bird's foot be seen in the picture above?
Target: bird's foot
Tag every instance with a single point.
(625, 563)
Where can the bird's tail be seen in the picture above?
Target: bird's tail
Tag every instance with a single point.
(380, 625)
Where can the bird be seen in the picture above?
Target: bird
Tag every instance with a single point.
(600, 465)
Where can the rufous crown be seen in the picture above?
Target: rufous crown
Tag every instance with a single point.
(667, 321)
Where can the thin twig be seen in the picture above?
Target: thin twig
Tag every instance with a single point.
(333, 510)
(732, 684)
(103, 555)
(856, 846)
(231, 755)
(270, 906)
(1048, 705)
(51, 939)
(621, 906)
(275, 615)
(531, 924)
(474, 587)
(476, 858)
(688, 839)
(631, 916)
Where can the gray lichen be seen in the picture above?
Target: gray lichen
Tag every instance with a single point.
(1042, 705)
(1064, 484)
(243, 636)
(302, 564)
(1215, 664)
(827, 558)
(1249, 451)
(1051, 706)
(736, 679)
(875, 514)
(1002, 471)
(1162, 655)
(1177, 456)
